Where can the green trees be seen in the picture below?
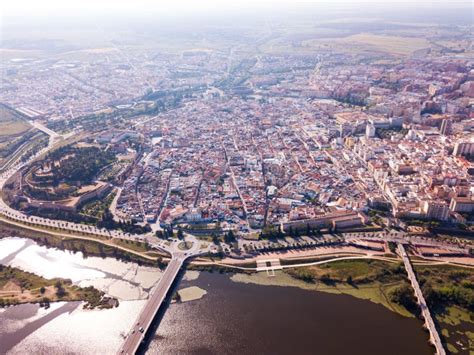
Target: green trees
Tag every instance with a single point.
(60, 291)
(215, 239)
(78, 164)
(303, 274)
(403, 295)
(107, 221)
(229, 237)
(160, 263)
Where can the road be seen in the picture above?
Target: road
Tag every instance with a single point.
(403, 238)
(34, 222)
(54, 136)
(148, 313)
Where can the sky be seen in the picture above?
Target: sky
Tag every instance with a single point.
(48, 8)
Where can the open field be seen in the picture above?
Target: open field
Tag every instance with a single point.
(17, 136)
(11, 123)
(366, 42)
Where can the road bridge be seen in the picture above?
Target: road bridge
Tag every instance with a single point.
(429, 323)
(148, 313)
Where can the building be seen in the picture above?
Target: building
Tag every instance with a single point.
(435, 210)
(446, 127)
(339, 219)
(463, 149)
(370, 131)
(462, 205)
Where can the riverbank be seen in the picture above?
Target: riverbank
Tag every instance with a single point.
(449, 292)
(371, 280)
(448, 289)
(125, 250)
(246, 318)
(18, 287)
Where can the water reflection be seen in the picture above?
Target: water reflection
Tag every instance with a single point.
(126, 281)
(232, 318)
(237, 318)
(66, 327)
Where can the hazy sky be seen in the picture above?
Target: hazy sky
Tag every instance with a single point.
(41, 8)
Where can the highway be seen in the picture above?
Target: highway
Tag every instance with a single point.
(425, 311)
(148, 313)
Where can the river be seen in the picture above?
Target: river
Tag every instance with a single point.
(232, 318)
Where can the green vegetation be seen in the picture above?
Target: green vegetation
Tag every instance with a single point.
(386, 133)
(374, 280)
(446, 285)
(17, 286)
(393, 247)
(222, 268)
(404, 296)
(71, 164)
(107, 221)
(359, 272)
(449, 292)
(97, 208)
(375, 292)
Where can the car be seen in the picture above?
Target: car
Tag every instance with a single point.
(141, 330)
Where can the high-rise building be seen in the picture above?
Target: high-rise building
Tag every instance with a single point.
(436, 210)
(446, 127)
(462, 204)
(463, 149)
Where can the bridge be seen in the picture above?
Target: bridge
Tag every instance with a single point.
(45, 129)
(157, 298)
(148, 313)
(425, 311)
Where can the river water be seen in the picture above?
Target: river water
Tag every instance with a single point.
(237, 318)
(232, 318)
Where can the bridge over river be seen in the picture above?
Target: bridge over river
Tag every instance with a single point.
(425, 311)
(148, 313)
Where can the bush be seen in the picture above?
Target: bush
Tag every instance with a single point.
(403, 295)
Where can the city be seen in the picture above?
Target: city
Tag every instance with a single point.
(322, 154)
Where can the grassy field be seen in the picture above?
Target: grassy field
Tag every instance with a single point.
(366, 42)
(357, 271)
(11, 123)
(17, 286)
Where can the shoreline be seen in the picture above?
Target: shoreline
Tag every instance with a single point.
(22, 287)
